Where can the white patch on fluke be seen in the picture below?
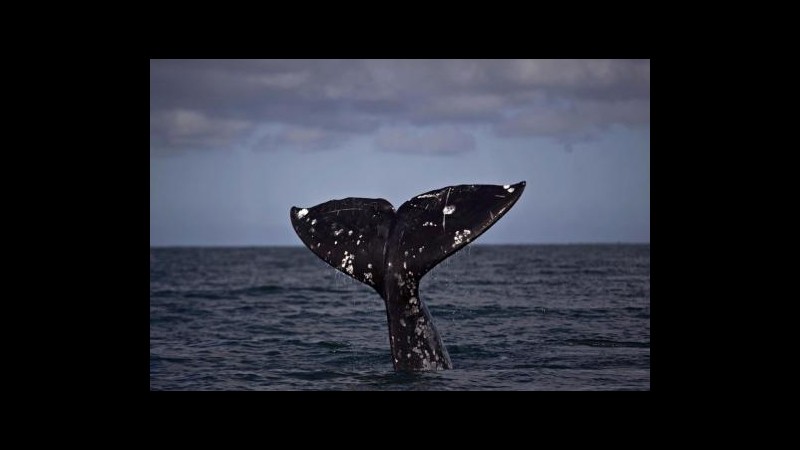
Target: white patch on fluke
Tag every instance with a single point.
(350, 233)
(418, 330)
(313, 221)
(459, 237)
(338, 232)
(302, 213)
(428, 224)
(347, 262)
(510, 190)
(348, 259)
(427, 195)
(369, 266)
(447, 210)
(506, 186)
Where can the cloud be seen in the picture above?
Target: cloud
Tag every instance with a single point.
(320, 104)
(575, 119)
(439, 141)
(462, 107)
(182, 128)
(302, 138)
(281, 80)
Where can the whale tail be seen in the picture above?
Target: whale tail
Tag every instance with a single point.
(392, 250)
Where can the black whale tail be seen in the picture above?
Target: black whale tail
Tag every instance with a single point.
(358, 235)
(392, 250)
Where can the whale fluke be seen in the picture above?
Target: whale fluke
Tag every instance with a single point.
(391, 251)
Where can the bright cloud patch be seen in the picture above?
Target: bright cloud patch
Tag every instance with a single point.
(411, 106)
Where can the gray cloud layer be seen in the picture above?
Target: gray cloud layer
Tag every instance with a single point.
(427, 106)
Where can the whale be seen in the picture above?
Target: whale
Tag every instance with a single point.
(391, 250)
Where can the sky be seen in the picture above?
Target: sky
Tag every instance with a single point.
(234, 144)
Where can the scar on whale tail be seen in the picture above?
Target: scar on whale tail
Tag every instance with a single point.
(392, 250)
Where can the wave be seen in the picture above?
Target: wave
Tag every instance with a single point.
(606, 343)
(265, 289)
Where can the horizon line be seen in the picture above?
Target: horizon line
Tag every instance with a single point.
(473, 244)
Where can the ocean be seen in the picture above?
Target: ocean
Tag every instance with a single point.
(516, 317)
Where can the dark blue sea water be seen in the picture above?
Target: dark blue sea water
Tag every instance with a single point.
(535, 317)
